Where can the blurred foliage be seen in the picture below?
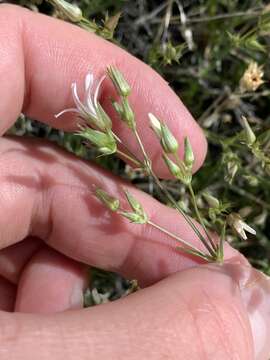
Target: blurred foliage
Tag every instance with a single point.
(202, 48)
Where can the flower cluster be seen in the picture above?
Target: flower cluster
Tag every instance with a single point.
(97, 130)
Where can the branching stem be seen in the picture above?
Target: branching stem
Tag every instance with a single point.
(171, 199)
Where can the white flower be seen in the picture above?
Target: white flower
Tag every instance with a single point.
(238, 224)
(89, 108)
(252, 78)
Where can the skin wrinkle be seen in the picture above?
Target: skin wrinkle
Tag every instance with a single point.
(52, 205)
(224, 341)
(240, 321)
(43, 208)
(226, 345)
(53, 235)
(202, 350)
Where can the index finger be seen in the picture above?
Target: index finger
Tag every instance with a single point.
(41, 57)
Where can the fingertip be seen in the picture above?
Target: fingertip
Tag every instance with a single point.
(50, 283)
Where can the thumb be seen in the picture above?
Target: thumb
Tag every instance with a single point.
(196, 314)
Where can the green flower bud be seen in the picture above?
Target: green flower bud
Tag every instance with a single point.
(119, 82)
(232, 168)
(211, 200)
(125, 112)
(128, 115)
(155, 125)
(104, 122)
(180, 171)
(118, 108)
(134, 217)
(252, 180)
(188, 154)
(134, 203)
(168, 141)
(173, 168)
(250, 137)
(109, 201)
(105, 142)
(72, 12)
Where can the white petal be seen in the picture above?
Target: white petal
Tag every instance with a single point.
(80, 106)
(88, 87)
(90, 106)
(65, 111)
(249, 229)
(88, 82)
(97, 90)
(243, 234)
(155, 124)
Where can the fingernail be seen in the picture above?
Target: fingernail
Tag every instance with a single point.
(76, 297)
(255, 291)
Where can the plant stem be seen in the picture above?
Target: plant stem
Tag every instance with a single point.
(220, 252)
(130, 158)
(170, 197)
(190, 188)
(146, 158)
(175, 237)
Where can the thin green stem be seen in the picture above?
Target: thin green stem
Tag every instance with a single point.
(220, 250)
(190, 188)
(175, 237)
(170, 197)
(146, 158)
(128, 157)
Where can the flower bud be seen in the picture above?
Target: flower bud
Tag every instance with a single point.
(128, 115)
(72, 12)
(134, 217)
(211, 200)
(232, 168)
(105, 142)
(119, 82)
(173, 168)
(188, 154)
(252, 180)
(179, 172)
(155, 125)
(250, 137)
(134, 203)
(109, 201)
(168, 141)
(117, 107)
(104, 122)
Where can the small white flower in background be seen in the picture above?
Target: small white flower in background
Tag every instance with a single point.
(239, 226)
(252, 78)
(89, 109)
(71, 11)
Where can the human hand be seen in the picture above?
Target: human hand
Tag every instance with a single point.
(199, 312)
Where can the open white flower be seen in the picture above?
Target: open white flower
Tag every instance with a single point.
(239, 226)
(89, 109)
